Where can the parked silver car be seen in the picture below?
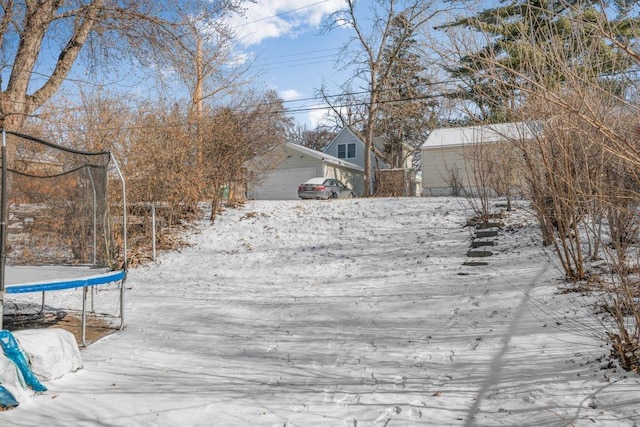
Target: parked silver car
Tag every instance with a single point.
(324, 188)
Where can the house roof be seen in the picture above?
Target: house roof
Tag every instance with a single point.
(377, 152)
(322, 156)
(481, 134)
(339, 134)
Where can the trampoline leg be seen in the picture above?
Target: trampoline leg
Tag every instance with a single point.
(122, 304)
(84, 315)
(42, 306)
(1, 316)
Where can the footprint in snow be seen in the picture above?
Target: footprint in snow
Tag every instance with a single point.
(400, 382)
(387, 415)
(415, 408)
(329, 394)
(348, 400)
(350, 422)
(299, 407)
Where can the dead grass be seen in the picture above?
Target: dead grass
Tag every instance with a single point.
(97, 325)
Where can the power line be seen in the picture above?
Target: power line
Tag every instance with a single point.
(363, 103)
(307, 61)
(265, 113)
(297, 110)
(281, 13)
(297, 61)
(301, 53)
(266, 18)
(83, 81)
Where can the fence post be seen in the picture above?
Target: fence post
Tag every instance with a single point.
(153, 230)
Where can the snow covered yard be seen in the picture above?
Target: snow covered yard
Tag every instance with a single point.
(344, 313)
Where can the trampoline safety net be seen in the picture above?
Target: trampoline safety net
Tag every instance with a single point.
(58, 210)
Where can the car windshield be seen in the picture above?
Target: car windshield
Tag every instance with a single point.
(316, 181)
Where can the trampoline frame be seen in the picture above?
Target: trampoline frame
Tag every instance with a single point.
(84, 282)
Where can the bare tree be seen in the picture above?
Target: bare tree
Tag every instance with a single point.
(317, 138)
(63, 30)
(372, 52)
(235, 136)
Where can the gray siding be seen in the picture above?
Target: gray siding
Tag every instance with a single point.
(347, 137)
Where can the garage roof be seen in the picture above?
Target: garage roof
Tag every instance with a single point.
(324, 157)
(481, 134)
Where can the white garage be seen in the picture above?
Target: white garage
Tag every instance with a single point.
(282, 184)
(449, 155)
(294, 165)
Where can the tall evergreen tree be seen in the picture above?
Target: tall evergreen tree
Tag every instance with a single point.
(541, 43)
(404, 99)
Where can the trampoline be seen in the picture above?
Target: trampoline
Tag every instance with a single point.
(56, 214)
(21, 279)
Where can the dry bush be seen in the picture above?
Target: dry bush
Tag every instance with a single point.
(574, 73)
(493, 162)
(57, 204)
(170, 159)
(233, 138)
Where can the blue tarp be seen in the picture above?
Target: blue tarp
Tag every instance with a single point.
(14, 353)
(7, 400)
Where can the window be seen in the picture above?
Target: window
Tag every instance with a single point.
(351, 151)
(346, 151)
(342, 152)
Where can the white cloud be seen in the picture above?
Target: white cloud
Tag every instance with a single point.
(290, 95)
(240, 58)
(278, 18)
(319, 117)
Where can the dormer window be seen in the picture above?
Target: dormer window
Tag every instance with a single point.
(347, 151)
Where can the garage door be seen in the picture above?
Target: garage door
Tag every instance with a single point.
(281, 184)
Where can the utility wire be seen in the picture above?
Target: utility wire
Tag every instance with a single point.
(275, 112)
(313, 100)
(83, 81)
(281, 14)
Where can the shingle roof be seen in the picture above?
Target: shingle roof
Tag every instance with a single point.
(322, 156)
(482, 134)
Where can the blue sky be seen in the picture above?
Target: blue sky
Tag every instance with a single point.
(291, 53)
(295, 56)
(283, 40)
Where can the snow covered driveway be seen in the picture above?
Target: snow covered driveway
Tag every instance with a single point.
(343, 313)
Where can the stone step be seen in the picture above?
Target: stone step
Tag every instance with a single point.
(487, 232)
(482, 242)
(474, 263)
(485, 225)
(479, 253)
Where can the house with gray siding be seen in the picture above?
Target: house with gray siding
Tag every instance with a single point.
(348, 147)
(277, 176)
